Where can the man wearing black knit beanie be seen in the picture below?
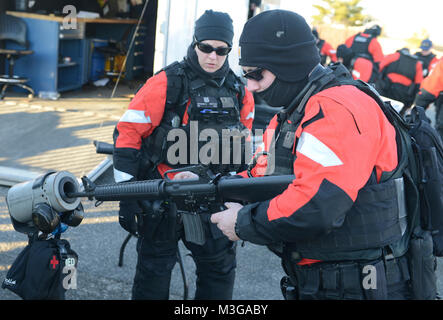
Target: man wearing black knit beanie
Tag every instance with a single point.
(281, 42)
(339, 219)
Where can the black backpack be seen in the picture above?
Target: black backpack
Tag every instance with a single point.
(422, 147)
(421, 166)
(428, 147)
(39, 273)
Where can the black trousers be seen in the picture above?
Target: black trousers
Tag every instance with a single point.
(362, 280)
(215, 265)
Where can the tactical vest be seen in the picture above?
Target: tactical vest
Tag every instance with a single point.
(214, 117)
(360, 46)
(378, 217)
(405, 65)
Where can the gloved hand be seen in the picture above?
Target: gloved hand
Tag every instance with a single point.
(158, 220)
(73, 218)
(127, 217)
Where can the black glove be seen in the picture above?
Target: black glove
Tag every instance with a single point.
(127, 217)
(73, 218)
(158, 221)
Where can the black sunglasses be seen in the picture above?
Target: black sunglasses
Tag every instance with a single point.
(206, 48)
(255, 74)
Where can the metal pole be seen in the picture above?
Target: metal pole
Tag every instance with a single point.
(130, 48)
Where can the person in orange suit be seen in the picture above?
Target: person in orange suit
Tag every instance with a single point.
(360, 68)
(401, 75)
(431, 90)
(339, 145)
(200, 92)
(365, 44)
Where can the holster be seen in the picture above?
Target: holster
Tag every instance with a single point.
(344, 280)
(422, 265)
(158, 221)
(288, 289)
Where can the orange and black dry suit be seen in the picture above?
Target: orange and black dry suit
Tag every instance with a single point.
(341, 207)
(365, 45)
(366, 49)
(154, 107)
(401, 75)
(431, 90)
(171, 100)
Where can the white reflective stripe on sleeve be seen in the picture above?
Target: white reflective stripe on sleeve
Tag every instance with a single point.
(135, 116)
(356, 74)
(250, 116)
(120, 176)
(317, 151)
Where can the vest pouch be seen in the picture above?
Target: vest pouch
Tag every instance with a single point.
(432, 192)
(376, 219)
(340, 281)
(159, 221)
(422, 265)
(155, 145)
(429, 152)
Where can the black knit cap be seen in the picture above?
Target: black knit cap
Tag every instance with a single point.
(280, 41)
(214, 25)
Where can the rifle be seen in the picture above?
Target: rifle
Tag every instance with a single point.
(210, 189)
(207, 194)
(189, 195)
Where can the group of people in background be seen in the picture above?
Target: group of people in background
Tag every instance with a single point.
(400, 75)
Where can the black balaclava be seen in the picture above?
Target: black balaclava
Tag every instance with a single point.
(212, 25)
(281, 93)
(282, 42)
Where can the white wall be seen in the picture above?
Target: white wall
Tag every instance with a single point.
(175, 27)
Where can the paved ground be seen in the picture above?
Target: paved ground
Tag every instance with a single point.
(42, 135)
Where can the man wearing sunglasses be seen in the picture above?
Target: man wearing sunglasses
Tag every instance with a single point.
(201, 89)
(337, 226)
